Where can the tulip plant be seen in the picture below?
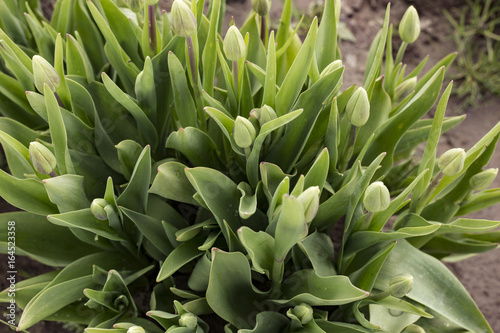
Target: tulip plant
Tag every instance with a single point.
(182, 181)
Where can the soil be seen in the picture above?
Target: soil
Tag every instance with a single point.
(363, 18)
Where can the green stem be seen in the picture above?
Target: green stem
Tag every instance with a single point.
(276, 276)
(427, 195)
(153, 43)
(263, 30)
(346, 156)
(401, 52)
(236, 80)
(367, 221)
(196, 84)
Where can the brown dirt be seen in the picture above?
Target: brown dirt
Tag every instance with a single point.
(364, 18)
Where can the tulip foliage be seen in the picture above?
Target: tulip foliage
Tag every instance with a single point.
(180, 181)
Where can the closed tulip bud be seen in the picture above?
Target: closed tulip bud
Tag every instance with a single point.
(331, 67)
(409, 27)
(234, 44)
(182, 19)
(243, 132)
(188, 320)
(151, 2)
(452, 162)
(310, 201)
(358, 108)
(483, 180)
(401, 285)
(136, 329)
(403, 89)
(41, 157)
(97, 208)
(261, 7)
(303, 312)
(413, 329)
(264, 114)
(44, 73)
(377, 197)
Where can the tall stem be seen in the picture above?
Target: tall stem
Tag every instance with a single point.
(263, 28)
(429, 191)
(236, 79)
(401, 52)
(196, 84)
(153, 44)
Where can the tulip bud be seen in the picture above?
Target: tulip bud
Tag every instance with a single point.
(303, 312)
(44, 73)
(413, 329)
(409, 27)
(136, 329)
(451, 162)
(401, 285)
(310, 201)
(182, 19)
(261, 7)
(97, 208)
(331, 67)
(188, 320)
(358, 108)
(151, 2)
(264, 114)
(377, 197)
(483, 180)
(403, 89)
(243, 132)
(41, 157)
(234, 44)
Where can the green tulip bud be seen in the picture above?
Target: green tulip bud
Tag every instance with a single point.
(404, 88)
(377, 197)
(41, 157)
(243, 132)
(400, 285)
(182, 19)
(136, 329)
(310, 201)
(188, 320)
(358, 108)
(264, 114)
(413, 329)
(331, 67)
(44, 73)
(234, 44)
(151, 2)
(303, 312)
(481, 181)
(261, 7)
(409, 27)
(97, 208)
(451, 162)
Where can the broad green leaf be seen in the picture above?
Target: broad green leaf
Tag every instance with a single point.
(185, 109)
(269, 97)
(196, 145)
(198, 280)
(248, 200)
(306, 286)
(290, 229)
(20, 132)
(226, 124)
(384, 318)
(269, 321)
(318, 247)
(180, 256)
(316, 176)
(17, 156)
(230, 285)
(326, 43)
(338, 327)
(292, 84)
(13, 63)
(77, 60)
(84, 219)
(209, 56)
(67, 192)
(445, 62)
(47, 243)
(135, 195)
(220, 194)
(20, 54)
(437, 289)
(260, 248)
(172, 183)
(188, 233)
(479, 201)
(145, 89)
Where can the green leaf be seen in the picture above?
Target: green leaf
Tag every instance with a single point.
(185, 109)
(209, 56)
(269, 97)
(326, 43)
(385, 319)
(318, 247)
(292, 84)
(316, 176)
(479, 201)
(231, 284)
(196, 145)
(172, 183)
(84, 219)
(67, 192)
(226, 124)
(269, 321)
(145, 89)
(180, 256)
(306, 286)
(248, 200)
(17, 156)
(260, 248)
(437, 289)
